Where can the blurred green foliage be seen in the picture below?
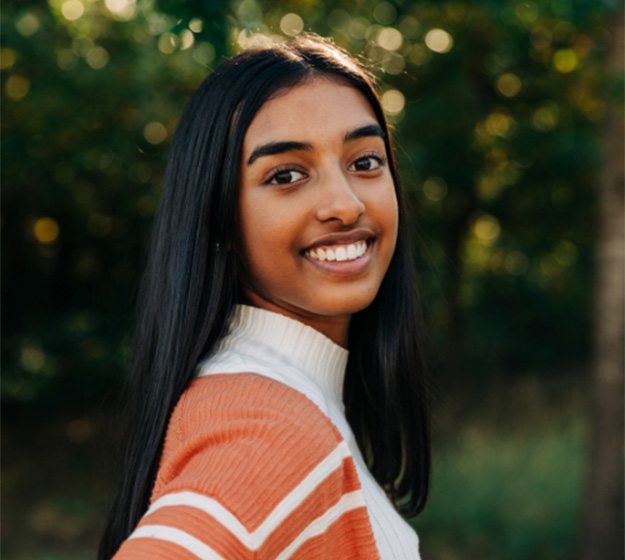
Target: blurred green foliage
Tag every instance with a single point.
(498, 107)
(508, 475)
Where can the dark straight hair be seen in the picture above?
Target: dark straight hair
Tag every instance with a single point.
(191, 285)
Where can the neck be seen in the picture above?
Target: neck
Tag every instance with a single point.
(336, 327)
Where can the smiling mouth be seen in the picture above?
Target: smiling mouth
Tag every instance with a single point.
(339, 252)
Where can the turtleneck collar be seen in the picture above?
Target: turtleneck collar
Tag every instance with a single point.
(271, 339)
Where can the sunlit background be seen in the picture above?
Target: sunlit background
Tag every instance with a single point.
(499, 110)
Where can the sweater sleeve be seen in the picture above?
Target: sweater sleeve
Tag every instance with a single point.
(252, 469)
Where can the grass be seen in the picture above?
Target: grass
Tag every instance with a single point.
(508, 483)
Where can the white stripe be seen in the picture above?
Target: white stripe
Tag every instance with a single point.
(207, 505)
(347, 503)
(176, 536)
(255, 539)
(290, 502)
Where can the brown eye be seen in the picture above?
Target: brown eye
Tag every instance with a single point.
(367, 163)
(286, 177)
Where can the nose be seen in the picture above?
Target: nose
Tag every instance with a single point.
(339, 201)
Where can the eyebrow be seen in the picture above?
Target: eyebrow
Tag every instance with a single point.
(273, 148)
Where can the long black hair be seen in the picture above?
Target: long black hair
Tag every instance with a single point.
(191, 284)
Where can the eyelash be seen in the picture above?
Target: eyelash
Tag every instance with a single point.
(279, 170)
(370, 155)
(373, 155)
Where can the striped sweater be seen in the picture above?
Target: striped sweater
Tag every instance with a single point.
(259, 461)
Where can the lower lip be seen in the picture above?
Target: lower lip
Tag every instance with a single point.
(345, 268)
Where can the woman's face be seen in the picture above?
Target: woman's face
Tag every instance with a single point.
(318, 209)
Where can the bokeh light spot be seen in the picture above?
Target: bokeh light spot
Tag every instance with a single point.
(390, 38)
(66, 59)
(358, 27)
(509, 84)
(72, 9)
(565, 60)
(7, 58)
(546, 117)
(487, 229)
(186, 39)
(16, 87)
(158, 23)
(409, 26)
(393, 101)
(167, 43)
(498, 124)
(155, 132)
(526, 12)
(338, 19)
(97, 57)
(203, 53)
(46, 230)
(418, 54)
(435, 189)
(385, 13)
(247, 40)
(438, 40)
(291, 24)
(515, 262)
(393, 63)
(566, 253)
(488, 187)
(196, 25)
(123, 10)
(27, 25)
(250, 12)
(32, 358)
(541, 38)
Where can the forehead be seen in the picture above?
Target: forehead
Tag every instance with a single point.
(316, 111)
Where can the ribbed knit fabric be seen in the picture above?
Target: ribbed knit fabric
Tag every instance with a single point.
(259, 461)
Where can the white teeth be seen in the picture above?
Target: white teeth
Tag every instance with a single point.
(339, 253)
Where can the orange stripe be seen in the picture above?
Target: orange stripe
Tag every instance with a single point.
(325, 496)
(269, 441)
(349, 537)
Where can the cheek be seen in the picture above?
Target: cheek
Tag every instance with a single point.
(386, 214)
(383, 208)
(268, 236)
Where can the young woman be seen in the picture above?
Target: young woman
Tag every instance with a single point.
(279, 407)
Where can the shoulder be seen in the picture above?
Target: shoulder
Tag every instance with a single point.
(234, 427)
(253, 469)
(225, 399)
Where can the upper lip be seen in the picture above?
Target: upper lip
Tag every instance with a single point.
(360, 234)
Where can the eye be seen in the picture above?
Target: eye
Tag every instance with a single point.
(285, 177)
(369, 162)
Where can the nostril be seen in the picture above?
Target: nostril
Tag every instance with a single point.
(346, 209)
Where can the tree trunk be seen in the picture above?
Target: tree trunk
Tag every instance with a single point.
(602, 520)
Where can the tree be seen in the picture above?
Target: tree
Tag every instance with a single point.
(602, 529)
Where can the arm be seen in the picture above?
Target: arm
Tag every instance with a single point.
(241, 481)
